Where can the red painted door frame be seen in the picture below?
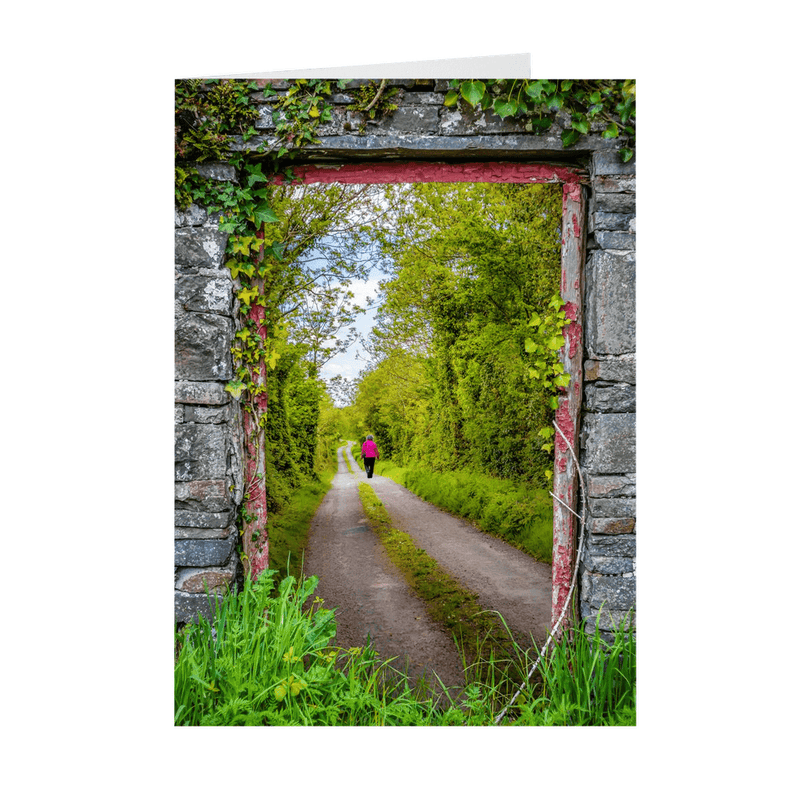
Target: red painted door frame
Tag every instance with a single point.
(565, 479)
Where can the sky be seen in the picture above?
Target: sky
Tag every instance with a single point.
(347, 364)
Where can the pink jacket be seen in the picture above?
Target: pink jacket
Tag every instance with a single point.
(369, 449)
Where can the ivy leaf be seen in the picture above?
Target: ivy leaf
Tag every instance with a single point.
(530, 345)
(538, 124)
(534, 90)
(562, 380)
(451, 98)
(611, 132)
(235, 388)
(473, 91)
(626, 154)
(505, 108)
(581, 124)
(534, 320)
(263, 213)
(545, 433)
(556, 342)
(569, 137)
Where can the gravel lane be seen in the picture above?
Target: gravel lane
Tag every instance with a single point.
(505, 579)
(371, 597)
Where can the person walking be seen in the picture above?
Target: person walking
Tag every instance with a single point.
(369, 452)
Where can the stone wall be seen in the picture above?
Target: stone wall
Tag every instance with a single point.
(208, 433)
(608, 430)
(207, 421)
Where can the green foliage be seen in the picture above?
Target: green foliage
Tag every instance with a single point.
(372, 100)
(288, 530)
(207, 113)
(300, 110)
(470, 306)
(607, 106)
(587, 681)
(266, 658)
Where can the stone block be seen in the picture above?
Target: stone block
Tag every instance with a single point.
(608, 443)
(200, 452)
(615, 203)
(205, 533)
(610, 369)
(607, 620)
(200, 247)
(216, 170)
(612, 507)
(611, 485)
(207, 416)
(611, 591)
(604, 221)
(614, 398)
(422, 98)
(614, 183)
(406, 119)
(615, 240)
(622, 546)
(195, 580)
(179, 414)
(265, 122)
(609, 565)
(463, 122)
(205, 393)
(203, 552)
(611, 526)
(192, 215)
(203, 347)
(201, 490)
(609, 163)
(203, 519)
(204, 294)
(611, 303)
(189, 606)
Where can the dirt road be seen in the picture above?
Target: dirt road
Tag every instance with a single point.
(371, 597)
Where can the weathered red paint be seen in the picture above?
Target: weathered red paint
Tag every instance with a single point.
(565, 423)
(434, 172)
(576, 226)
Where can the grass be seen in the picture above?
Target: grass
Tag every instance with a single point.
(266, 659)
(288, 530)
(519, 515)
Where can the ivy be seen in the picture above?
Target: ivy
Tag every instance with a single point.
(373, 101)
(542, 345)
(300, 111)
(608, 106)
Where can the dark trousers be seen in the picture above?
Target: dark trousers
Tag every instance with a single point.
(369, 465)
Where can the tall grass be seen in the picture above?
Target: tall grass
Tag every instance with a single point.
(586, 681)
(266, 658)
(521, 516)
(288, 530)
(267, 661)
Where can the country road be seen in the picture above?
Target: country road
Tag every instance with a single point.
(372, 599)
